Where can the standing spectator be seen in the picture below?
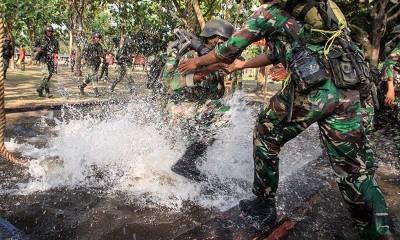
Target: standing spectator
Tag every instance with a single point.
(92, 55)
(21, 59)
(72, 60)
(45, 48)
(7, 55)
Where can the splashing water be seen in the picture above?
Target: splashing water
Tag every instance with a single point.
(124, 151)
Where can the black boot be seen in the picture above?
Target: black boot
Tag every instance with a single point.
(186, 165)
(48, 94)
(261, 208)
(82, 88)
(39, 90)
(96, 92)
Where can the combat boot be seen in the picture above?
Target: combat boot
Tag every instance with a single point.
(39, 90)
(240, 86)
(186, 165)
(82, 88)
(96, 92)
(261, 208)
(48, 94)
(112, 87)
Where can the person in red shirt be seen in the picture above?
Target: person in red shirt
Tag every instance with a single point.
(21, 59)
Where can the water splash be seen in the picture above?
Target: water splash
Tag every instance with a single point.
(123, 151)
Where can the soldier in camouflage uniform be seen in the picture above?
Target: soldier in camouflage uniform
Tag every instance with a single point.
(104, 67)
(7, 54)
(45, 48)
(92, 54)
(390, 86)
(337, 112)
(125, 65)
(156, 67)
(237, 77)
(194, 103)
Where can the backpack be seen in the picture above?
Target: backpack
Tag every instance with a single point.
(319, 17)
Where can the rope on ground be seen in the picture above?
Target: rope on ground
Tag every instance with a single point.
(3, 149)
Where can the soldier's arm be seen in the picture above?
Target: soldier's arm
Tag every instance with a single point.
(228, 51)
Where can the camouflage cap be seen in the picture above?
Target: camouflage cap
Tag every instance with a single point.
(217, 27)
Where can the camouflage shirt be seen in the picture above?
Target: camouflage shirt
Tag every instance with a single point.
(93, 53)
(49, 47)
(125, 55)
(7, 51)
(182, 87)
(270, 22)
(391, 64)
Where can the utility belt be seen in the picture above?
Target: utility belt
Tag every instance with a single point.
(308, 68)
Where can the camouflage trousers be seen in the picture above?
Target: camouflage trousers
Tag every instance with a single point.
(5, 65)
(196, 120)
(338, 114)
(124, 71)
(367, 114)
(47, 70)
(104, 70)
(92, 75)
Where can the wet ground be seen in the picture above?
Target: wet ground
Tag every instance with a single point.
(309, 203)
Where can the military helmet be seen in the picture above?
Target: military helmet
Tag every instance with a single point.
(217, 27)
(128, 40)
(7, 39)
(97, 34)
(48, 28)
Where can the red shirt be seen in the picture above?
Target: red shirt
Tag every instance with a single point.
(22, 54)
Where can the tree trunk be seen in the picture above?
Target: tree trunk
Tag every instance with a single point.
(238, 13)
(226, 12)
(379, 27)
(199, 14)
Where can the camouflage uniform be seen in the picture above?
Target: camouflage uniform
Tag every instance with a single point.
(125, 67)
(237, 77)
(156, 68)
(192, 105)
(337, 112)
(391, 114)
(92, 54)
(7, 55)
(104, 68)
(45, 48)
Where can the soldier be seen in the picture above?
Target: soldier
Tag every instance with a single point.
(92, 54)
(389, 87)
(104, 67)
(125, 60)
(45, 48)
(194, 101)
(125, 65)
(7, 54)
(237, 77)
(335, 109)
(156, 67)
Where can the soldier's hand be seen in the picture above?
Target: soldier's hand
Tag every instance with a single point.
(187, 66)
(390, 97)
(236, 65)
(278, 73)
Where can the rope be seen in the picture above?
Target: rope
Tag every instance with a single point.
(3, 149)
(334, 35)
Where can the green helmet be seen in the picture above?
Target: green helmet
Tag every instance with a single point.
(217, 27)
(97, 34)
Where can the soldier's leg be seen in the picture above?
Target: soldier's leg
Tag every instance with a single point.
(89, 78)
(5, 65)
(345, 139)
(95, 80)
(121, 74)
(367, 113)
(131, 80)
(47, 73)
(46, 83)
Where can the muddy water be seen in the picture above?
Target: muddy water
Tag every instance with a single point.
(104, 172)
